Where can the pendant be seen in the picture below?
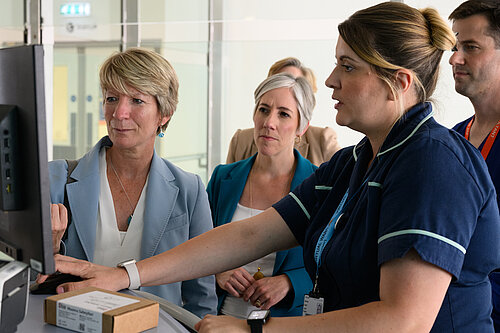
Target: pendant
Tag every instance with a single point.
(129, 219)
(258, 275)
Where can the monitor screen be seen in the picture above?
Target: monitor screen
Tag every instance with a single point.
(25, 227)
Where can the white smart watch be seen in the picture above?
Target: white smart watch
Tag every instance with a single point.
(133, 273)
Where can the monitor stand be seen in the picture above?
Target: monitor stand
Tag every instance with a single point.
(14, 283)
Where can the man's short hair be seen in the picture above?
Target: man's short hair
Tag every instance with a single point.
(490, 9)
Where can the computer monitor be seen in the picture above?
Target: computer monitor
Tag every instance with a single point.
(25, 227)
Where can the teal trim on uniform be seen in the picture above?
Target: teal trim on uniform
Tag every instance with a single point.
(301, 205)
(429, 116)
(425, 233)
(322, 187)
(375, 184)
(354, 153)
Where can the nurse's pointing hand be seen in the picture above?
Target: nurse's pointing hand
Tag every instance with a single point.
(109, 278)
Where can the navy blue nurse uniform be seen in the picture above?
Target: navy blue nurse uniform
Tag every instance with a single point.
(427, 189)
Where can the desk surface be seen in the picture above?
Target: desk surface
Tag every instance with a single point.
(33, 322)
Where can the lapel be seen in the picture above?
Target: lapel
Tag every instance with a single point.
(231, 189)
(303, 170)
(161, 195)
(83, 196)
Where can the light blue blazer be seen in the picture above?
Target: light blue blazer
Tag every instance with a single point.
(224, 192)
(176, 210)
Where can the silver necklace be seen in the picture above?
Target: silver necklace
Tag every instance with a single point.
(129, 219)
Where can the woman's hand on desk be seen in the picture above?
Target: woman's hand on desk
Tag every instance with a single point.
(110, 278)
(221, 324)
(268, 290)
(235, 281)
(59, 219)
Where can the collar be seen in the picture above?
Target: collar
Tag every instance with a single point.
(401, 132)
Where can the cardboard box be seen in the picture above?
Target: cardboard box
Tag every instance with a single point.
(95, 310)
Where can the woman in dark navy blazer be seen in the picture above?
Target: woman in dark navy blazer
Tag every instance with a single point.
(283, 106)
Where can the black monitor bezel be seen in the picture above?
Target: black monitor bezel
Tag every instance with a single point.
(28, 229)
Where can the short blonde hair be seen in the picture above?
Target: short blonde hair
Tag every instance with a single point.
(294, 62)
(302, 92)
(145, 71)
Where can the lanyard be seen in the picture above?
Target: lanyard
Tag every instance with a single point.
(327, 233)
(489, 141)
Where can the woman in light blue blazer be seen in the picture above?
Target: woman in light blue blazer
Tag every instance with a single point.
(125, 201)
(283, 107)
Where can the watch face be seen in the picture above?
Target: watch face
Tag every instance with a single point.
(126, 262)
(258, 314)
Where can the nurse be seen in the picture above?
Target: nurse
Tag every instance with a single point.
(399, 232)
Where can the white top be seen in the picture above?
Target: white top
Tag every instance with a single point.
(235, 306)
(111, 245)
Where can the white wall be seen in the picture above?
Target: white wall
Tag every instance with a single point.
(450, 107)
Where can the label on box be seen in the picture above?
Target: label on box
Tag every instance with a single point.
(83, 313)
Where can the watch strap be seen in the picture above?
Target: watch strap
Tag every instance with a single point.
(133, 275)
(255, 326)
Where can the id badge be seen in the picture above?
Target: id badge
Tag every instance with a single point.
(312, 305)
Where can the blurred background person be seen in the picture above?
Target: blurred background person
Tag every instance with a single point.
(476, 70)
(126, 202)
(317, 144)
(283, 109)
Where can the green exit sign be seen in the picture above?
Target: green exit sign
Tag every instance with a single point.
(74, 9)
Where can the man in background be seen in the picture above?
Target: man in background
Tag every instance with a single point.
(476, 70)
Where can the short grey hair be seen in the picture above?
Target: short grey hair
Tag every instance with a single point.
(302, 92)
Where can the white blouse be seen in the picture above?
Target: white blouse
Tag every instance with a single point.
(111, 245)
(235, 306)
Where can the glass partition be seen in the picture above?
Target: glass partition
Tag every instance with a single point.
(175, 29)
(85, 33)
(78, 121)
(178, 29)
(11, 23)
(247, 38)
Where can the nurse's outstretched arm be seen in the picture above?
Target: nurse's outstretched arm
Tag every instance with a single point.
(411, 294)
(220, 249)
